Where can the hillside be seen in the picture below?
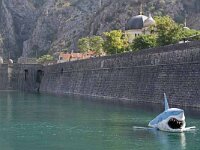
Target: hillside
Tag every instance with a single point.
(35, 27)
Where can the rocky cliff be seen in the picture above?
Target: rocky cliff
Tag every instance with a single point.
(35, 27)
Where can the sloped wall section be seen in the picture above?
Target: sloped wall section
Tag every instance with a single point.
(132, 77)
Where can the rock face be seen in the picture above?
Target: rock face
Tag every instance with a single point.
(18, 18)
(35, 27)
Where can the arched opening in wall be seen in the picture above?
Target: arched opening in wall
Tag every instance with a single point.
(62, 70)
(25, 74)
(39, 76)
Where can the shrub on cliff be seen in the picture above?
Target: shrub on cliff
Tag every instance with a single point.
(45, 59)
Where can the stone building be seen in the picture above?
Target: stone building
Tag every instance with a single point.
(138, 25)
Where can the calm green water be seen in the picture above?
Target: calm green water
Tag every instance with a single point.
(43, 122)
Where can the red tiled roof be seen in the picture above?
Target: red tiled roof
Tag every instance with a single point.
(65, 56)
(68, 56)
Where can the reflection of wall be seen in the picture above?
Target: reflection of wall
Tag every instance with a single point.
(143, 76)
(165, 138)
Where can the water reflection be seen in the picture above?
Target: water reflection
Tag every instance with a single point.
(47, 122)
(167, 139)
(9, 107)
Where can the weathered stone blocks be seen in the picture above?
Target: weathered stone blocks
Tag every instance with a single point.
(138, 77)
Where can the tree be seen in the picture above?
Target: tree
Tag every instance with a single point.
(84, 44)
(190, 34)
(144, 41)
(115, 42)
(45, 58)
(96, 44)
(169, 32)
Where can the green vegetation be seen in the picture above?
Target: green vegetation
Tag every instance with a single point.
(115, 42)
(84, 44)
(45, 58)
(144, 41)
(94, 44)
(168, 31)
(165, 32)
(190, 34)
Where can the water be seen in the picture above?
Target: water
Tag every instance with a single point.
(44, 122)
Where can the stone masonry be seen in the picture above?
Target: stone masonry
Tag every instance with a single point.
(3, 76)
(132, 77)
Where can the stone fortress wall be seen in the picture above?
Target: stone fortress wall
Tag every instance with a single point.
(132, 77)
(26, 77)
(3, 76)
(140, 77)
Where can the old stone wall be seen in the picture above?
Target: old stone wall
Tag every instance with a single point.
(132, 77)
(26, 77)
(3, 76)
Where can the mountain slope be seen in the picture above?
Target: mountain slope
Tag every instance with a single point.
(35, 27)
